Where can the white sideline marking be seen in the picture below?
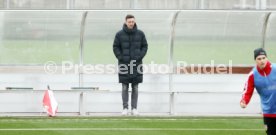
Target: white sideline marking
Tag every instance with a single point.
(112, 119)
(125, 129)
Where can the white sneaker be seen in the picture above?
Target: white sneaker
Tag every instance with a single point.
(125, 112)
(134, 112)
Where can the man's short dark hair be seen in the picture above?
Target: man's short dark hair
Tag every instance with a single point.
(129, 16)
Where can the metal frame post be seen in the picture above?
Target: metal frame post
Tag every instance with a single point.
(84, 15)
(263, 4)
(170, 61)
(7, 4)
(82, 101)
(266, 19)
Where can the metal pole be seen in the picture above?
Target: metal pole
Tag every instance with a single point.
(170, 61)
(266, 19)
(132, 4)
(257, 5)
(202, 4)
(243, 4)
(7, 4)
(84, 15)
(67, 4)
(82, 101)
(180, 4)
(70, 4)
(263, 4)
(197, 4)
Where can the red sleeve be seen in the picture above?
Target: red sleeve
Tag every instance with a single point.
(248, 88)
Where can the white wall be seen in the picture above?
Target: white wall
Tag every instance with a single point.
(199, 95)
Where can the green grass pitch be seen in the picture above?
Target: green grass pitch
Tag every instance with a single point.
(131, 126)
(100, 51)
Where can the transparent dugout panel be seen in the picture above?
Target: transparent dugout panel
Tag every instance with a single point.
(101, 28)
(219, 36)
(35, 37)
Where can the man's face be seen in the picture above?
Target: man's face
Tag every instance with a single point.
(130, 22)
(261, 61)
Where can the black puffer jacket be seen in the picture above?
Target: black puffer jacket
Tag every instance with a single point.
(130, 45)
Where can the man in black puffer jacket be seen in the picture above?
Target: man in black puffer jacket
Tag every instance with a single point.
(130, 46)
